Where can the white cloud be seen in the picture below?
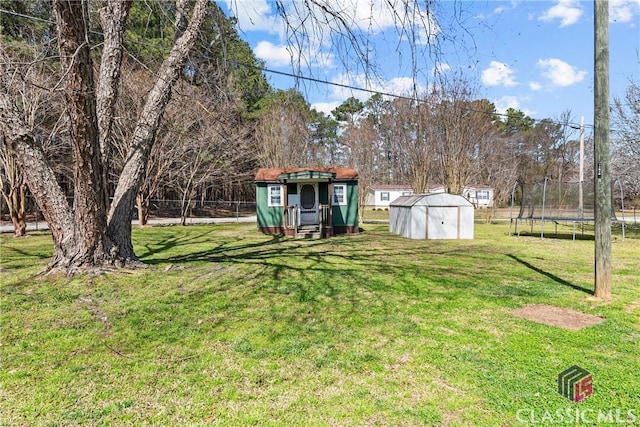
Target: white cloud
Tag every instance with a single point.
(347, 79)
(567, 11)
(272, 54)
(623, 11)
(535, 86)
(373, 17)
(498, 74)
(364, 14)
(501, 9)
(326, 107)
(427, 34)
(399, 86)
(504, 103)
(316, 40)
(559, 73)
(440, 68)
(394, 86)
(286, 55)
(379, 15)
(255, 15)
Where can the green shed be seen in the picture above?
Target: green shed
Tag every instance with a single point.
(307, 202)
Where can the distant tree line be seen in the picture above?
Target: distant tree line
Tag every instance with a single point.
(448, 136)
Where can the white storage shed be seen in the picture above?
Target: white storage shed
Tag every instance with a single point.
(432, 216)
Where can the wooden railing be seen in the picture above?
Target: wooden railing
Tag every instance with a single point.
(325, 216)
(292, 217)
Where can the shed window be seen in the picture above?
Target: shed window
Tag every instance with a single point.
(384, 196)
(339, 194)
(275, 195)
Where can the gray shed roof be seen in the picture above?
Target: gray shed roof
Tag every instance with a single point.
(433, 199)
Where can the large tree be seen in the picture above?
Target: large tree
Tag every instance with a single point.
(91, 233)
(213, 107)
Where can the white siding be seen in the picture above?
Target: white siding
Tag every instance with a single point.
(481, 197)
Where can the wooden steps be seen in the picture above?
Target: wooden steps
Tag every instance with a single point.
(309, 232)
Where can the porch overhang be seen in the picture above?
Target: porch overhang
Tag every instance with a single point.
(307, 176)
(322, 174)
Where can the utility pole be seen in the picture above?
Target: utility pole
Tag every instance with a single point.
(602, 169)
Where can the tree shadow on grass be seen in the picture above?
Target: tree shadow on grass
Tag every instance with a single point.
(167, 244)
(558, 236)
(224, 251)
(550, 275)
(27, 254)
(306, 269)
(359, 269)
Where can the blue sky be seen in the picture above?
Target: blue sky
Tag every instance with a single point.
(535, 56)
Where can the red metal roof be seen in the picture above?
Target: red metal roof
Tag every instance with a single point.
(478, 186)
(391, 187)
(403, 187)
(272, 174)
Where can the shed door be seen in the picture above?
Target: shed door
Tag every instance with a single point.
(308, 204)
(442, 222)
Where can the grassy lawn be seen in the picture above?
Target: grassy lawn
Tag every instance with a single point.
(231, 327)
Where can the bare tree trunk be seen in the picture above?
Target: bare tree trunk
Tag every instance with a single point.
(133, 172)
(18, 214)
(79, 233)
(184, 208)
(13, 190)
(40, 179)
(143, 209)
(16, 204)
(113, 18)
(89, 208)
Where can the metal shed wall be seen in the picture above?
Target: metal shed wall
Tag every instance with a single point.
(432, 216)
(399, 219)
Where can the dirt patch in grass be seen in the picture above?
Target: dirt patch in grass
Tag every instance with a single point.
(558, 316)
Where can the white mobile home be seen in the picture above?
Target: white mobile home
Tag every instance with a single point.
(381, 195)
(480, 195)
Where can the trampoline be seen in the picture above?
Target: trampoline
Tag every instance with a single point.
(556, 202)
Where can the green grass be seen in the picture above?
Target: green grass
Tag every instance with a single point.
(231, 327)
(373, 215)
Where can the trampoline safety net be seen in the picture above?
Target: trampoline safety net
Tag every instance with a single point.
(557, 201)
